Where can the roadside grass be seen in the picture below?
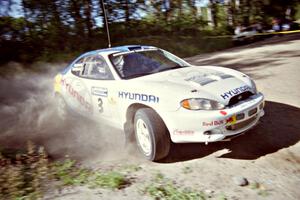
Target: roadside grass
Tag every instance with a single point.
(169, 191)
(163, 188)
(111, 180)
(68, 173)
(28, 175)
(130, 168)
(31, 174)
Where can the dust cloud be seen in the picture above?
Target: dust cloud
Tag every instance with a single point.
(28, 112)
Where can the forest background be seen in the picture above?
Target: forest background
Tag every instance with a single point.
(59, 30)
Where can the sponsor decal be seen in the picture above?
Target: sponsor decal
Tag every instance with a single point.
(235, 91)
(223, 112)
(77, 96)
(183, 132)
(100, 105)
(231, 120)
(139, 97)
(57, 83)
(99, 91)
(213, 123)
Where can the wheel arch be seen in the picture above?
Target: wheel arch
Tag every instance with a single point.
(130, 113)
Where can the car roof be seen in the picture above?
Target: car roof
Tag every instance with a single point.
(124, 48)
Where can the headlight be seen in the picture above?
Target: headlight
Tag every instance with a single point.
(253, 85)
(201, 104)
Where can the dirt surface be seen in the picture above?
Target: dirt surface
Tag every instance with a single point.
(268, 155)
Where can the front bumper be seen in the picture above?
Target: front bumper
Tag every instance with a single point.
(211, 126)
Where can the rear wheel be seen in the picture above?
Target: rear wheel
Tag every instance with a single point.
(151, 134)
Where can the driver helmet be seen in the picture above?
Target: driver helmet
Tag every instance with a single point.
(119, 63)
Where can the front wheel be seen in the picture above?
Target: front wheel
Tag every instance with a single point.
(151, 134)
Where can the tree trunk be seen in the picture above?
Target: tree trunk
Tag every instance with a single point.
(75, 13)
(88, 17)
(214, 12)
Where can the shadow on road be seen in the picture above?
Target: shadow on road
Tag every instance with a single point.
(267, 42)
(279, 128)
(249, 62)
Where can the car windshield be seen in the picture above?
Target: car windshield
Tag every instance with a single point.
(144, 62)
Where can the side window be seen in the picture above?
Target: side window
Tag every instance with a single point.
(88, 65)
(98, 69)
(93, 67)
(78, 67)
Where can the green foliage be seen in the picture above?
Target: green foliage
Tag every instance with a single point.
(158, 177)
(297, 13)
(27, 175)
(111, 180)
(169, 191)
(162, 188)
(183, 46)
(59, 30)
(23, 176)
(69, 174)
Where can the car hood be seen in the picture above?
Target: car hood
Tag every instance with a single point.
(216, 83)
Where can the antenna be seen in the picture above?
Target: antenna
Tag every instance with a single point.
(105, 22)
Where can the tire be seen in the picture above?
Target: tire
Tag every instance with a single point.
(151, 134)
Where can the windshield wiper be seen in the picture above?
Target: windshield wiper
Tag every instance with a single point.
(138, 75)
(171, 68)
(148, 73)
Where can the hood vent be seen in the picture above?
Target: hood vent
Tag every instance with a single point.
(206, 78)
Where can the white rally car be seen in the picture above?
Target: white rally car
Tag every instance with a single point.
(156, 97)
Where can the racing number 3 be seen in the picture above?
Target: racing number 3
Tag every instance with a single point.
(100, 105)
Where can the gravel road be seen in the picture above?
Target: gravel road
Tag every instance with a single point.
(268, 155)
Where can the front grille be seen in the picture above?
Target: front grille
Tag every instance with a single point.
(243, 96)
(240, 116)
(241, 124)
(252, 112)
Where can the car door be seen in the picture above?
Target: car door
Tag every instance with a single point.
(99, 80)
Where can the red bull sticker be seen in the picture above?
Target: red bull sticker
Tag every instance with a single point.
(213, 123)
(231, 120)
